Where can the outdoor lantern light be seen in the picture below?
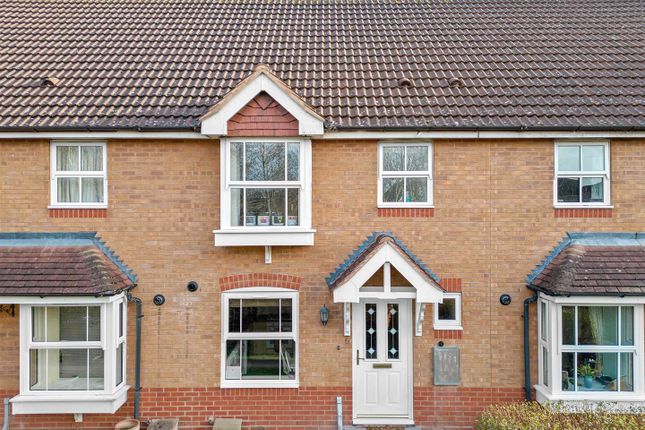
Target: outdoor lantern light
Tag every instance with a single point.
(324, 315)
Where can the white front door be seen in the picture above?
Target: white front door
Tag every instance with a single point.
(382, 361)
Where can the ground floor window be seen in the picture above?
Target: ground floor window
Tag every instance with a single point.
(260, 338)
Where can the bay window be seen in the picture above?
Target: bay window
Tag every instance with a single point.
(582, 174)
(78, 174)
(260, 338)
(405, 175)
(266, 192)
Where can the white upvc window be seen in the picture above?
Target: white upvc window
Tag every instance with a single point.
(405, 175)
(72, 356)
(265, 192)
(582, 174)
(259, 338)
(447, 315)
(590, 349)
(78, 174)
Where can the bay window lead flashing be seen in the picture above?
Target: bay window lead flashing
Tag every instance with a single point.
(137, 356)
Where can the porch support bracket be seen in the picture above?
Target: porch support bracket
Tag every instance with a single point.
(420, 314)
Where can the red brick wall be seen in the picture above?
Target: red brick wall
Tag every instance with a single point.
(244, 280)
(276, 409)
(263, 116)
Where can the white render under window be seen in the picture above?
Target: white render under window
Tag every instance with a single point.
(78, 174)
(589, 350)
(265, 192)
(259, 338)
(447, 315)
(72, 356)
(582, 174)
(405, 175)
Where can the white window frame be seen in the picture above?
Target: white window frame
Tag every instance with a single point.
(605, 174)
(544, 336)
(107, 400)
(260, 293)
(406, 174)
(448, 324)
(55, 174)
(301, 234)
(554, 392)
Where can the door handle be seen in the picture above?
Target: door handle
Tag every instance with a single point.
(358, 357)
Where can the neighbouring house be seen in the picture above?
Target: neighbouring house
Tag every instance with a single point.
(300, 213)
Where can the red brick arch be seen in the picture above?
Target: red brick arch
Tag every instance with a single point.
(243, 280)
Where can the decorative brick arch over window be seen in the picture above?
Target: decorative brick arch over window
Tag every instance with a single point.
(243, 280)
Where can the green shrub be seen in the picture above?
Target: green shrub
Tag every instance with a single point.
(533, 416)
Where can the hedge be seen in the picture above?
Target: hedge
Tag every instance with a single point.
(533, 416)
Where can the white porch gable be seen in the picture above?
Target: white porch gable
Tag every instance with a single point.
(215, 121)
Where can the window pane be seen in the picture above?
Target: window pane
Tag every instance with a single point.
(392, 331)
(568, 158)
(592, 190)
(234, 315)
(92, 158)
(237, 209)
(37, 362)
(626, 371)
(267, 205)
(286, 315)
(119, 364)
(417, 190)
(92, 190)
(67, 369)
(593, 158)
(393, 158)
(121, 319)
(288, 359)
(597, 371)
(417, 158)
(237, 160)
(545, 366)
(260, 315)
(597, 325)
(293, 161)
(543, 321)
(72, 326)
(568, 325)
(260, 359)
(393, 189)
(569, 190)
(370, 331)
(233, 359)
(94, 324)
(66, 158)
(68, 190)
(568, 372)
(293, 206)
(627, 325)
(38, 324)
(96, 363)
(448, 309)
(265, 161)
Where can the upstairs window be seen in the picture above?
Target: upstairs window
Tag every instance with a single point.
(582, 174)
(405, 175)
(78, 174)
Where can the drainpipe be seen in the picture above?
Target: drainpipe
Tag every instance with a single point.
(339, 412)
(527, 358)
(5, 425)
(137, 357)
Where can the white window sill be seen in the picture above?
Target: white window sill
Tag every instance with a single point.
(447, 327)
(587, 399)
(583, 206)
(69, 403)
(78, 207)
(254, 236)
(259, 384)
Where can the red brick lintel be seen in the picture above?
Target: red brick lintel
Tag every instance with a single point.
(260, 280)
(78, 213)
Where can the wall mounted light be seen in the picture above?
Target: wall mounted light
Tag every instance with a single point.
(324, 315)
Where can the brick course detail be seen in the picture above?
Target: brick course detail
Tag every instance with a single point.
(78, 213)
(582, 212)
(262, 116)
(260, 280)
(406, 212)
(277, 409)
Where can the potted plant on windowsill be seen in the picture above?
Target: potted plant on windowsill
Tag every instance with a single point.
(587, 373)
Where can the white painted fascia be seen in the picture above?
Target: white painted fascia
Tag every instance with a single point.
(98, 135)
(216, 124)
(58, 300)
(447, 134)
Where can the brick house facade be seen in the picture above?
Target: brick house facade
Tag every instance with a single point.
(490, 214)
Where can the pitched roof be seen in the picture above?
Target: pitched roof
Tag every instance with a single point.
(593, 264)
(55, 264)
(158, 64)
(367, 248)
